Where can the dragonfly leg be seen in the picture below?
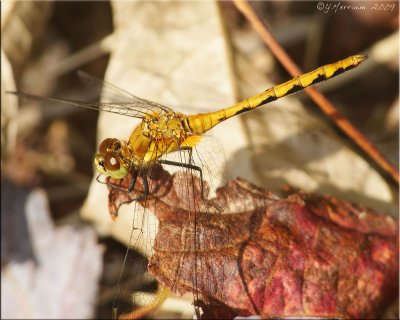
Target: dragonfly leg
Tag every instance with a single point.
(188, 166)
(130, 188)
(131, 185)
(98, 179)
(145, 193)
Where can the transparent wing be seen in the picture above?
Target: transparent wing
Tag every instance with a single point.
(117, 100)
(113, 95)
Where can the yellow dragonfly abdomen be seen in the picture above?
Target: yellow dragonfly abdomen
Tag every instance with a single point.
(201, 123)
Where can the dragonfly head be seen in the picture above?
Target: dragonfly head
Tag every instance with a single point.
(109, 160)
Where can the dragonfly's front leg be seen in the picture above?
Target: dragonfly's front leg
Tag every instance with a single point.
(132, 183)
(188, 166)
(143, 174)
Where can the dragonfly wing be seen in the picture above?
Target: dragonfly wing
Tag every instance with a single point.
(117, 100)
(127, 109)
(100, 87)
(112, 94)
(131, 109)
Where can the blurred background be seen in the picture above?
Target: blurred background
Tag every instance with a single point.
(61, 253)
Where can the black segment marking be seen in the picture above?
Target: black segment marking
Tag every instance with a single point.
(223, 118)
(295, 88)
(338, 71)
(269, 99)
(320, 78)
(323, 70)
(243, 110)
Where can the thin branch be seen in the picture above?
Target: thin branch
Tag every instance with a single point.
(327, 107)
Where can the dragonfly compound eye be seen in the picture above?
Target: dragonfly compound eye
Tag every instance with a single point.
(109, 144)
(111, 165)
(99, 163)
(115, 167)
(111, 162)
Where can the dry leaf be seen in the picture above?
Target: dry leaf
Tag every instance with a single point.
(256, 253)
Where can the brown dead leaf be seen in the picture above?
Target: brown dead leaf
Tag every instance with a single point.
(300, 256)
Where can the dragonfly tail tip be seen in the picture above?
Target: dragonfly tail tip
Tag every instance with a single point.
(362, 57)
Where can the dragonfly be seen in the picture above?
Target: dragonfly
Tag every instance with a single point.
(163, 131)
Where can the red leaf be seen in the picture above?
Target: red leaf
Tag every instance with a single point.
(254, 253)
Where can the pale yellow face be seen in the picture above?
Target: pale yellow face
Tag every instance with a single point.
(109, 160)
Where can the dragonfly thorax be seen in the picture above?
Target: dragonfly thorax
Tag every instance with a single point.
(166, 125)
(157, 135)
